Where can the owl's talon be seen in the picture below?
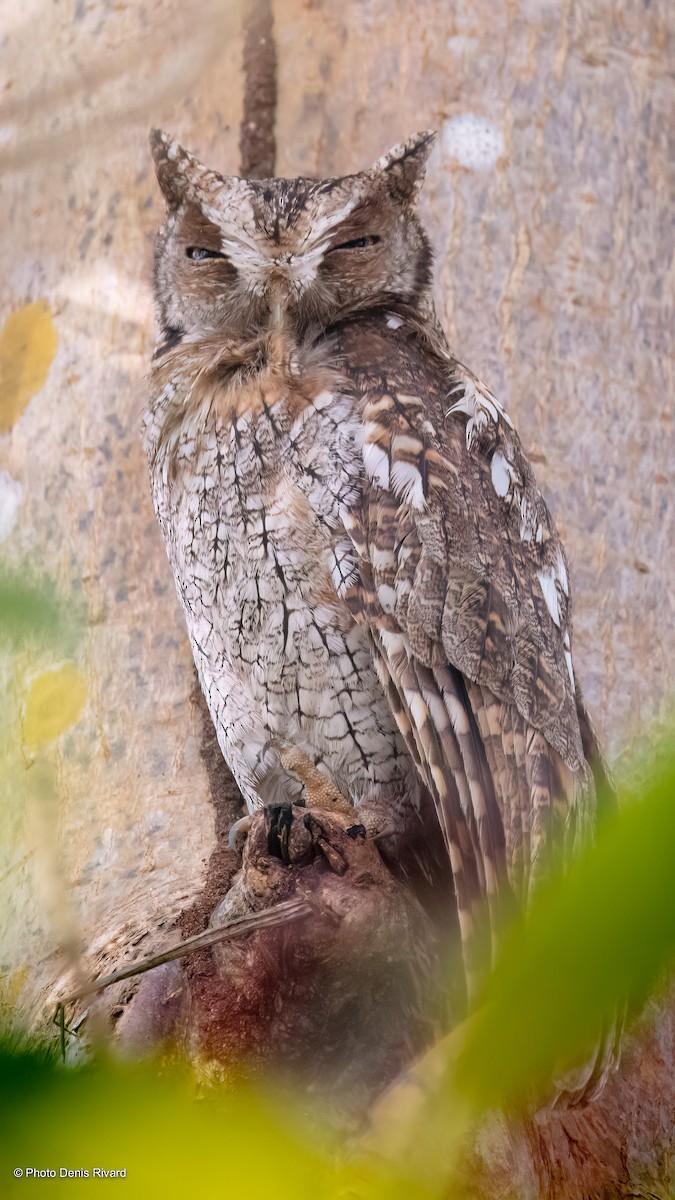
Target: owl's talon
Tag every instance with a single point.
(243, 825)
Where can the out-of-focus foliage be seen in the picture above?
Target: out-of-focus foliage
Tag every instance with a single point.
(30, 610)
(36, 625)
(46, 692)
(28, 342)
(54, 701)
(593, 938)
(149, 1125)
(600, 936)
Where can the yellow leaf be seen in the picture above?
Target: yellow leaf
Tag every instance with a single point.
(11, 986)
(54, 702)
(28, 344)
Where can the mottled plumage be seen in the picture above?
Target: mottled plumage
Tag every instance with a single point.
(367, 566)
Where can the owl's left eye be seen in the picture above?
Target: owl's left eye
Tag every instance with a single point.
(358, 243)
(198, 253)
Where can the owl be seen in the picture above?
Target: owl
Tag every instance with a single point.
(367, 567)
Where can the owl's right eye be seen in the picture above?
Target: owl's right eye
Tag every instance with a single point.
(358, 243)
(198, 253)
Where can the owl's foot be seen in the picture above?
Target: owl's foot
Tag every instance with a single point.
(370, 829)
(283, 776)
(374, 827)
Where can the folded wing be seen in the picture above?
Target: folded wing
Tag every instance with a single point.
(464, 588)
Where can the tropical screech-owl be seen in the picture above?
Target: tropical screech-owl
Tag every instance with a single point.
(367, 567)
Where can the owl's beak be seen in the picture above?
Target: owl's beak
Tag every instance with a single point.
(278, 296)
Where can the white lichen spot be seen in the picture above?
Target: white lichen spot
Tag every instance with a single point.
(472, 141)
(547, 584)
(460, 45)
(11, 499)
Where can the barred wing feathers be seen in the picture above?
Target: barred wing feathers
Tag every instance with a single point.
(463, 585)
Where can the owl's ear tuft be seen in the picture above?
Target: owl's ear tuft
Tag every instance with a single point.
(179, 174)
(403, 166)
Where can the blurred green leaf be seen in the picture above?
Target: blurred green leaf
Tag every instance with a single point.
(150, 1124)
(30, 609)
(594, 939)
(602, 933)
